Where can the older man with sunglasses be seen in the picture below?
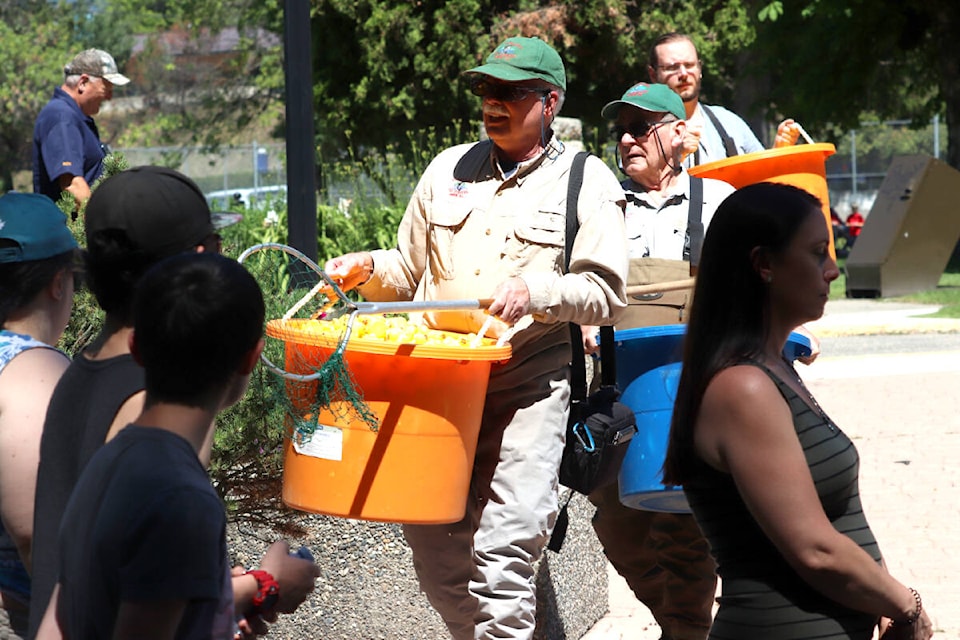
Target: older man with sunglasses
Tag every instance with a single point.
(488, 220)
(663, 556)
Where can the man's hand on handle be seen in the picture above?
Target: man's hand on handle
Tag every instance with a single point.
(511, 300)
(351, 270)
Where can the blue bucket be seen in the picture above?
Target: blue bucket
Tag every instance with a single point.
(648, 373)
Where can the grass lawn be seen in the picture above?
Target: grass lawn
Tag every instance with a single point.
(946, 294)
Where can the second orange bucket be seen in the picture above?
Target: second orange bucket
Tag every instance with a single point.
(801, 165)
(416, 467)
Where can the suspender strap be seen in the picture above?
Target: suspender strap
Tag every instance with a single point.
(578, 378)
(608, 369)
(608, 363)
(573, 194)
(691, 253)
(728, 144)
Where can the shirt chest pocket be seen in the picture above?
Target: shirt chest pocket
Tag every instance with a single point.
(538, 239)
(444, 229)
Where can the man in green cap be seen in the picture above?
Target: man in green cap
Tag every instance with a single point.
(663, 556)
(487, 220)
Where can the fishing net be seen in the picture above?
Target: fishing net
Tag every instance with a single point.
(314, 320)
(316, 375)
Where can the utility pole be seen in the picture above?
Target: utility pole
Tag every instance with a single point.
(301, 158)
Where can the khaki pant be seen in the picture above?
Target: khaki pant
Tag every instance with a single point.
(665, 560)
(663, 556)
(478, 572)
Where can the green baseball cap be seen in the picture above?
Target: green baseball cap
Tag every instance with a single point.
(518, 59)
(658, 98)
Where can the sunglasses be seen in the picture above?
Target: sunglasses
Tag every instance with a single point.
(503, 92)
(636, 130)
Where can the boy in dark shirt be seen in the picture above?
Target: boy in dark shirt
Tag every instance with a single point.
(146, 554)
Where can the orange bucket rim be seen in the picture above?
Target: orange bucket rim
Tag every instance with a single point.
(294, 330)
(826, 148)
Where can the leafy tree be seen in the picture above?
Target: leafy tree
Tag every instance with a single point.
(385, 67)
(829, 61)
(33, 49)
(382, 68)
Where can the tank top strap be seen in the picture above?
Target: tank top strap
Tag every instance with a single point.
(785, 390)
(13, 344)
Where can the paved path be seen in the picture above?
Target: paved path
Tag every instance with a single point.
(903, 412)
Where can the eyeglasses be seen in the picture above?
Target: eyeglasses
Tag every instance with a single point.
(503, 92)
(676, 67)
(637, 129)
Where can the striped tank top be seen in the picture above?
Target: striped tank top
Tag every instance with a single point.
(762, 596)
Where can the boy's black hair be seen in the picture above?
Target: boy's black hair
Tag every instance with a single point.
(113, 264)
(196, 315)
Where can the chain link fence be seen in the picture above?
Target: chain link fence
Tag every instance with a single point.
(855, 172)
(220, 171)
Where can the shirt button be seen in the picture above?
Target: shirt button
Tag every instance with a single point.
(477, 272)
(489, 232)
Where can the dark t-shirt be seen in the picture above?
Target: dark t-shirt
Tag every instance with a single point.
(82, 408)
(65, 141)
(144, 524)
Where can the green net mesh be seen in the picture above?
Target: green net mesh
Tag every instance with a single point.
(312, 379)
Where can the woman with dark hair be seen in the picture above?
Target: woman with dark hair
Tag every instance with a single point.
(771, 480)
(37, 256)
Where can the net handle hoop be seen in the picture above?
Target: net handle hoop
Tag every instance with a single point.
(324, 281)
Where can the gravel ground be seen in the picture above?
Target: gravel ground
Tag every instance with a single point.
(368, 589)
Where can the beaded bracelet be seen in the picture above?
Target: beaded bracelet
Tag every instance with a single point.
(911, 619)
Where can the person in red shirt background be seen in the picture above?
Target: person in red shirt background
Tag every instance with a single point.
(854, 221)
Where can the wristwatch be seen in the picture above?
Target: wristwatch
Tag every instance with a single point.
(268, 591)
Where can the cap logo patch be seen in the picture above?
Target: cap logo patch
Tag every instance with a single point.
(637, 90)
(506, 51)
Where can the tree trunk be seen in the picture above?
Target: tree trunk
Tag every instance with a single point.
(945, 27)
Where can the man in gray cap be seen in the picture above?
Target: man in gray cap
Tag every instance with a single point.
(487, 220)
(67, 153)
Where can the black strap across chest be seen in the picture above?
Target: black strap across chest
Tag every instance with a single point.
(729, 147)
(608, 370)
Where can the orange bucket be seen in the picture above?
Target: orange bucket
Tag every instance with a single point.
(416, 467)
(801, 165)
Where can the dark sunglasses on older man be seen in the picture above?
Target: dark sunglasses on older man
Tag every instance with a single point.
(483, 88)
(636, 129)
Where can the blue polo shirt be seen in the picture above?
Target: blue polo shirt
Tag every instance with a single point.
(65, 141)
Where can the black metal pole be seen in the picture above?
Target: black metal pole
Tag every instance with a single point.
(301, 159)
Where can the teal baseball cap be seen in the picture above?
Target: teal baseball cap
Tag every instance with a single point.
(518, 59)
(33, 228)
(657, 98)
